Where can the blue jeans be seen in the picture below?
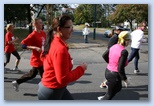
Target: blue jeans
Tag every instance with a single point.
(45, 93)
(134, 54)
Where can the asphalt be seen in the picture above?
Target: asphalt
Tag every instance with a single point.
(87, 87)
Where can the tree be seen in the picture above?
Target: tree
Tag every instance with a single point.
(85, 13)
(21, 12)
(82, 14)
(14, 12)
(130, 12)
(108, 9)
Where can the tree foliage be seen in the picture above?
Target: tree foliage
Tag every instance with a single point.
(130, 12)
(13, 12)
(82, 14)
(85, 13)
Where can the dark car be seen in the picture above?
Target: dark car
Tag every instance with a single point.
(127, 29)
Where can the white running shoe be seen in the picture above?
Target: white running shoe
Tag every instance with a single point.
(15, 85)
(103, 85)
(100, 97)
(15, 69)
(136, 71)
(126, 83)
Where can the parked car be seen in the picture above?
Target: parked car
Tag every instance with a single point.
(109, 33)
(127, 29)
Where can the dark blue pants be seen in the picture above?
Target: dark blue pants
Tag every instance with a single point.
(53, 94)
(134, 54)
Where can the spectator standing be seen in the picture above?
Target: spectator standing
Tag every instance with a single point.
(86, 32)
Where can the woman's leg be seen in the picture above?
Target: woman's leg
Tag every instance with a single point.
(30, 75)
(16, 54)
(40, 70)
(136, 59)
(132, 55)
(45, 93)
(7, 56)
(113, 83)
(67, 95)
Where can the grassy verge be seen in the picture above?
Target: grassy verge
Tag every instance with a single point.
(22, 33)
(101, 30)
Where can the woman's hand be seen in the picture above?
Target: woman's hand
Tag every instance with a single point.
(38, 49)
(84, 66)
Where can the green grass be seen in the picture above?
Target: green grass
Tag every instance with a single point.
(22, 33)
(80, 27)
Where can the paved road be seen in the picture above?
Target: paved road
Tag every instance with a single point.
(87, 87)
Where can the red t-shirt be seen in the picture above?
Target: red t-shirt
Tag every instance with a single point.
(9, 48)
(35, 39)
(58, 66)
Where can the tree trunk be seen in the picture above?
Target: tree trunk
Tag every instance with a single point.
(29, 16)
(49, 16)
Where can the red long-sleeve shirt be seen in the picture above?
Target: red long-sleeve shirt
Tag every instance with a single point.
(9, 48)
(58, 66)
(35, 39)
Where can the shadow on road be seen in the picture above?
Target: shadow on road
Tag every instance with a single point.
(80, 82)
(129, 93)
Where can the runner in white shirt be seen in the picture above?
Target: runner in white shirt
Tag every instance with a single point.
(137, 39)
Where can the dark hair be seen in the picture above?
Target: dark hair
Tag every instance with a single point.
(57, 22)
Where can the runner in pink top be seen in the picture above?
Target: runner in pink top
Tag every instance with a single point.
(115, 71)
(114, 57)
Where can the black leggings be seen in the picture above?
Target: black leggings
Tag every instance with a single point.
(114, 84)
(8, 55)
(31, 74)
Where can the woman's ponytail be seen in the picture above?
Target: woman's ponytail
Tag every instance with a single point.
(48, 41)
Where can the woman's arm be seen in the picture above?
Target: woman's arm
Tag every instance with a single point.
(122, 64)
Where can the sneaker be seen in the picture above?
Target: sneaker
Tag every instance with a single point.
(126, 83)
(100, 97)
(103, 85)
(16, 69)
(136, 71)
(15, 85)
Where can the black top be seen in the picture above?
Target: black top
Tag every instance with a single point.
(122, 64)
(113, 40)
